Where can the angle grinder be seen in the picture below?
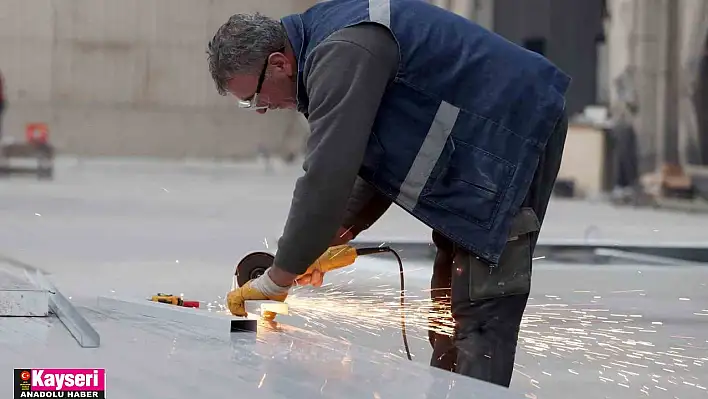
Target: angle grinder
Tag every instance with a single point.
(255, 264)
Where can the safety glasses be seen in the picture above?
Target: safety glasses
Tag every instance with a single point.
(252, 102)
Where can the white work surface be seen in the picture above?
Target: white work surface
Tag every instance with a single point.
(18, 297)
(600, 331)
(147, 358)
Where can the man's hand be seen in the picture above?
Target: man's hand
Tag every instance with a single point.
(315, 276)
(273, 285)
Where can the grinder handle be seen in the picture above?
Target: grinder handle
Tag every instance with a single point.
(334, 258)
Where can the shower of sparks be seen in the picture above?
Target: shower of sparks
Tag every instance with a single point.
(372, 313)
(615, 345)
(587, 339)
(346, 231)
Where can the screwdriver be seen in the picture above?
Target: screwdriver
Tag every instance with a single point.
(174, 300)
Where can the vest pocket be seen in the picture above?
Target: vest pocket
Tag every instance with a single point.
(471, 183)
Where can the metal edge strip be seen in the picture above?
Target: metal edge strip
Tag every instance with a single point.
(78, 326)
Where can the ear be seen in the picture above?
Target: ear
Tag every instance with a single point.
(280, 62)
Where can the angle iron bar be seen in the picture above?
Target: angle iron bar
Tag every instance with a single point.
(78, 326)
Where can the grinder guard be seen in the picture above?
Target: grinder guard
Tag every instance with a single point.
(252, 266)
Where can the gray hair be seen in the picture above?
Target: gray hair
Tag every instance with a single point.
(242, 45)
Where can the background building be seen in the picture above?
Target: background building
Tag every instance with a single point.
(130, 78)
(650, 54)
(570, 33)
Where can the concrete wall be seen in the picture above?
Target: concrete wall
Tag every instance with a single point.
(130, 77)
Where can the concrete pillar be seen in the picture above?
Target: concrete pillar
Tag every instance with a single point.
(462, 8)
(622, 59)
(667, 90)
(693, 34)
(647, 42)
(482, 12)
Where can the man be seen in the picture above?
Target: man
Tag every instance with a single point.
(626, 184)
(2, 102)
(409, 104)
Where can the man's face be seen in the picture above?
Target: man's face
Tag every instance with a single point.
(277, 89)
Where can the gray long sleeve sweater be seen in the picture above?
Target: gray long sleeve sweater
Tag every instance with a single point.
(345, 77)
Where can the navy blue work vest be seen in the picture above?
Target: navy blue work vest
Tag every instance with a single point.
(460, 130)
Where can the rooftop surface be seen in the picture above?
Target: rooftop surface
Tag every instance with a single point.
(151, 358)
(131, 230)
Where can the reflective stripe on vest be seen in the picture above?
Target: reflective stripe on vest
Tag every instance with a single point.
(380, 11)
(428, 155)
(434, 142)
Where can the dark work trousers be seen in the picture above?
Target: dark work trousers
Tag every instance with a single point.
(626, 165)
(2, 110)
(485, 305)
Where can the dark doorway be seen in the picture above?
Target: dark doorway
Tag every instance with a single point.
(536, 44)
(702, 103)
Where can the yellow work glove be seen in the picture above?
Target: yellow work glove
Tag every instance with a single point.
(314, 276)
(259, 289)
(333, 258)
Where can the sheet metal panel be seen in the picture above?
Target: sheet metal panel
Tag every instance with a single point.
(218, 321)
(18, 297)
(148, 358)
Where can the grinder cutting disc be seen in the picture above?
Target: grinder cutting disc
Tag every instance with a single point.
(252, 266)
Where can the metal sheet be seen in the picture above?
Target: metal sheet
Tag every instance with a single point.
(19, 332)
(27, 303)
(147, 358)
(18, 297)
(215, 320)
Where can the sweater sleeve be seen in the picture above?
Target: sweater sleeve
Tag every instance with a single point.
(345, 79)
